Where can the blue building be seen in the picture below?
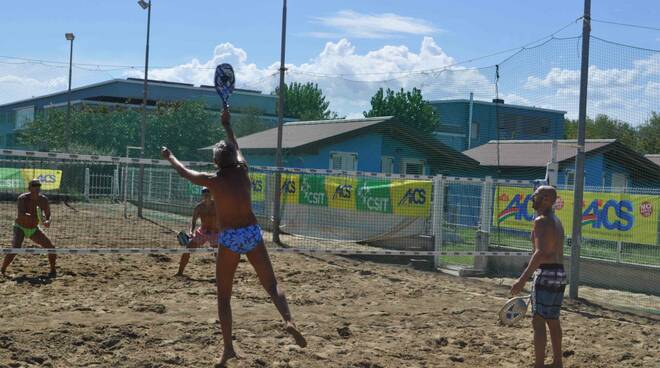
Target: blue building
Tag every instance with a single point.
(466, 124)
(609, 163)
(128, 93)
(379, 144)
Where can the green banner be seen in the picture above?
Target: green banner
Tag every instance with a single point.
(374, 196)
(401, 197)
(312, 191)
(193, 189)
(11, 179)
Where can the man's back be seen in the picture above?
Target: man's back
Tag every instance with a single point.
(231, 188)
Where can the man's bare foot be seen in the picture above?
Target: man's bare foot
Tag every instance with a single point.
(292, 330)
(179, 274)
(227, 354)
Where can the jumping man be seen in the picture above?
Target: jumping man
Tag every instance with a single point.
(208, 232)
(239, 232)
(549, 282)
(26, 224)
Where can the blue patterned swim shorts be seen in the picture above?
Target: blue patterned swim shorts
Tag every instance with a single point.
(241, 240)
(548, 290)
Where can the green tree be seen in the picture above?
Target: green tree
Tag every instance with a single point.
(649, 134)
(184, 127)
(408, 107)
(249, 122)
(604, 127)
(306, 102)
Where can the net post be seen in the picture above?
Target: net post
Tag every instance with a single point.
(438, 217)
(578, 192)
(86, 190)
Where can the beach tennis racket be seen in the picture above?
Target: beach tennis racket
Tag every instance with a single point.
(514, 310)
(224, 82)
(183, 238)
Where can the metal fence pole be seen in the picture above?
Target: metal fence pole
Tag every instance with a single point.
(579, 160)
(86, 191)
(483, 233)
(438, 217)
(169, 188)
(126, 191)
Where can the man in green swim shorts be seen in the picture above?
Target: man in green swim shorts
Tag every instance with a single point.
(27, 224)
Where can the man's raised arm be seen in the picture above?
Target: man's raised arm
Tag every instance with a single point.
(193, 176)
(225, 118)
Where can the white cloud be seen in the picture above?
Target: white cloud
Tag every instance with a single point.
(14, 87)
(628, 93)
(357, 25)
(556, 77)
(652, 90)
(348, 78)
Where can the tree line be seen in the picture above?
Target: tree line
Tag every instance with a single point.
(187, 126)
(644, 138)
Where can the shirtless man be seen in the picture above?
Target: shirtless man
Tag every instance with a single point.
(239, 232)
(208, 232)
(26, 224)
(549, 282)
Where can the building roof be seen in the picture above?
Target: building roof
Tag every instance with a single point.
(298, 134)
(654, 157)
(462, 100)
(151, 82)
(528, 153)
(306, 134)
(537, 153)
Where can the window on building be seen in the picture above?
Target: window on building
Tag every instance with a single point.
(413, 167)
(343, 161)
(2, 140)
(570, 177)
(23, 116)
(387, 164)
(619, 181)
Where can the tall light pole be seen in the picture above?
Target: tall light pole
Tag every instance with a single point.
(67, 134)
(280, 122)
(144, 5)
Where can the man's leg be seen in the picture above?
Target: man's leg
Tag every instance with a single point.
(260, 260)
(540, 340)
(40, 238)
(185, 257)
(16, 242)
(555, 337)
(226, 264)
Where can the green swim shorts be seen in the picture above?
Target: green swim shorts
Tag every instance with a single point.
(29, 232)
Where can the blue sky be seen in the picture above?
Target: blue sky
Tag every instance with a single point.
(113, 32)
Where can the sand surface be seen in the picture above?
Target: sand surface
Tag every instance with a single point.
(129, 311)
